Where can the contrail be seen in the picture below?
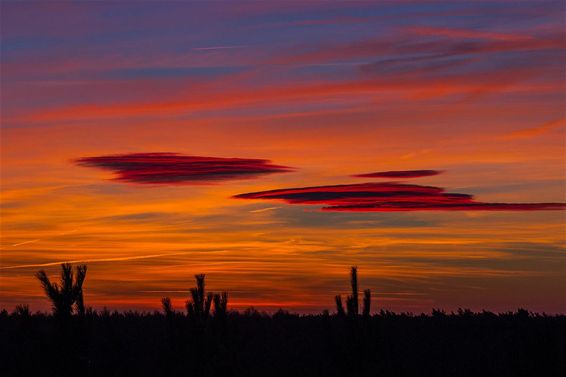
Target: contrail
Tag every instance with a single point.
(25, 242)
(264, 209)
(117, 259)
(218, 47)
(39, 239)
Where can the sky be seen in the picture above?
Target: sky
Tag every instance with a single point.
(272, 145)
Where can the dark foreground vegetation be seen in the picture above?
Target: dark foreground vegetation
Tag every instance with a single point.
(253, 344)
(210, 340)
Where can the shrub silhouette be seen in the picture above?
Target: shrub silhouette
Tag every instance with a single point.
(352, 305)
(68, 294)
(22, 311)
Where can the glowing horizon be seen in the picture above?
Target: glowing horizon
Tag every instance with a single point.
(422, 142)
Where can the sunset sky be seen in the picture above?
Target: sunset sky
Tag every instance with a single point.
(146, 139)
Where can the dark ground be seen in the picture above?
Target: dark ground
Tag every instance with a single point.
(252, 344)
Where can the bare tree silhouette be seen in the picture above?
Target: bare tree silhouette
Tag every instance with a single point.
(352, 304)
(68, 293)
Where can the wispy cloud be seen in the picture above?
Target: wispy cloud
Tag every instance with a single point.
(399, 174)
(537, 130)
(456, 33)
(432, 41)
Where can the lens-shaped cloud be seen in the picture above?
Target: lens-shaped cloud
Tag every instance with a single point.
(390, 197)
(174, 168)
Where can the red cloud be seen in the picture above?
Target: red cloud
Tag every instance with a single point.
(399, 174)
(390, 197)
(173, 168)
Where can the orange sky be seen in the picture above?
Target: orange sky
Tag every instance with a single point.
(473, 89)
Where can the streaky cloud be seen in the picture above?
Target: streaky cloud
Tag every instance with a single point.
(174, 168)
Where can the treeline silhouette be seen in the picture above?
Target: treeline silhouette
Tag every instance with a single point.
(211, 340)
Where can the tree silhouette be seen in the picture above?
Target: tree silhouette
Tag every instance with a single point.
(220, 305)
(352, 305)
(367, 303)
(167, 307)
(339, 306)
(199, 303)
(199, 308)
(78, 287)
(68, 293)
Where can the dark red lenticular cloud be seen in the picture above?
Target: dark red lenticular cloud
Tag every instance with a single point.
(399, 174)
(174, 168)
(390, 197)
